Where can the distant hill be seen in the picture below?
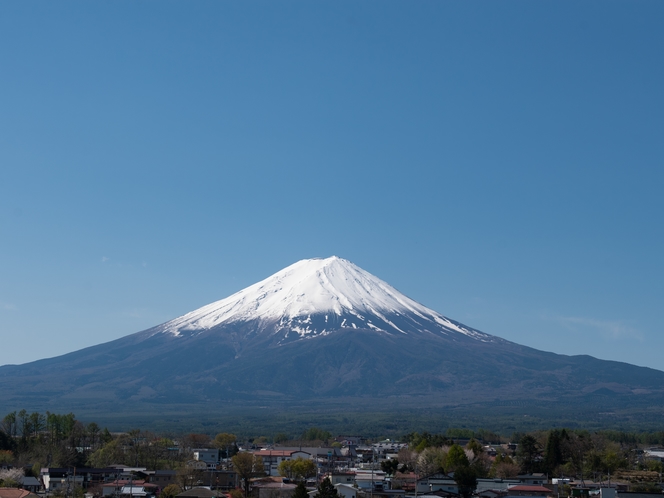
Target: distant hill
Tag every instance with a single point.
(321, 332)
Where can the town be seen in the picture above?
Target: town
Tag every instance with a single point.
(56, 455)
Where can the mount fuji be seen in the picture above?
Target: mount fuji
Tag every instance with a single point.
(320, 330)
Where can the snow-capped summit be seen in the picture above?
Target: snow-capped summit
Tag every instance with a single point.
(316, 296)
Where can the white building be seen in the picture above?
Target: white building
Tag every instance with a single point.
(209, 456)
(346, 491)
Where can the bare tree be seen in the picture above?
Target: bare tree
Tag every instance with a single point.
(11, 478)
(407, 458)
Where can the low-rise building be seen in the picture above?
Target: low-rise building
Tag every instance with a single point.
(497, 484)
(162, 478)
(533, 479)
(346, 490)
(210, 456)
(272, 487)
(119, 486)
(342, 478)
(437, 482)
(272, 458)
(528, 490)
(145, 491)
(60, 479)
(57, 478)
(404, 480)
(16, 493)
(30, 483)
(222, 479)
(376, 480)
(200, 492)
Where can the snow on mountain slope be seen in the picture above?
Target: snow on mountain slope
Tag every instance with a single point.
(324, 288)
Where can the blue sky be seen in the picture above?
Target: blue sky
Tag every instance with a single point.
(500, 162)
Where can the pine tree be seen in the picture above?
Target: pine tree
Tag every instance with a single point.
(466, 481)
(301, 491)
(553, 454)
(326, 490)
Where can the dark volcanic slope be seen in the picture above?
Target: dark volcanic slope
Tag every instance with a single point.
(320, 330)
(161, 369)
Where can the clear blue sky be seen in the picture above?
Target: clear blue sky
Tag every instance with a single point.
(500, 162)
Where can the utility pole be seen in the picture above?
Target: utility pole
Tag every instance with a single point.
(68, 482)
(373, 460)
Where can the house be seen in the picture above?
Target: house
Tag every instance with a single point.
(405, 481)
(272, 458)
(526, 490)
(499, 485)
(533, 479)
(654, 454)
(346, 490)
(127, 473)
(349, 453)
(326, 456)
(272, 488)
(200, 492)
(31, 484)
(437, 494)
(222, 479)
(61, 479)
(608, 493)
(490, 493)
(161, 478)
(16, 493)
(120, 485)
(210, 456)
(588, 484)
(342, 478)
(443, 494)
(387, 447)
(145, 491)
(56, 478)
(437, 482)
(490, 450)
(350, 440)
(389, 493)
(365, 453)
(368, 481)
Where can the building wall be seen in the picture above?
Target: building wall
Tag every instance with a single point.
(342, 479)
(209, 456)
(346, 491)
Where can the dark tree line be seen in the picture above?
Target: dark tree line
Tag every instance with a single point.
(48, 439)
(59, 440)
(579, 453)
